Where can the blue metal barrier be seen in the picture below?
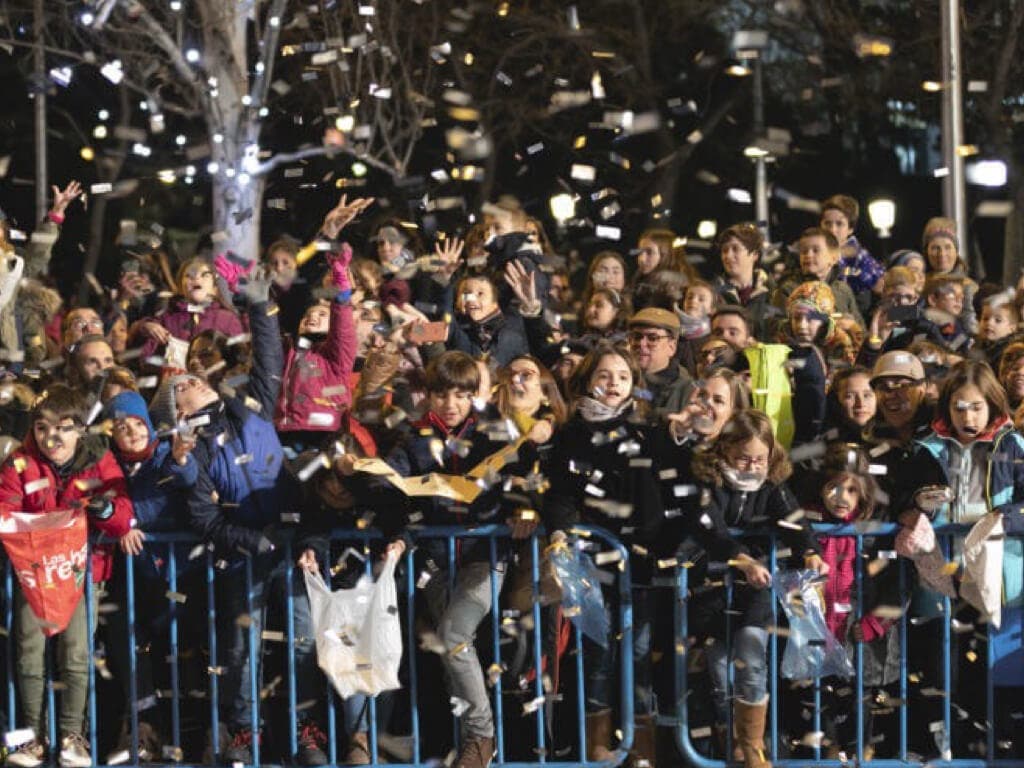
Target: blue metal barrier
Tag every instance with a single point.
(407, 588)
(685, 741)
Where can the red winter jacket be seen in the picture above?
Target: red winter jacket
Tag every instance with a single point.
(839, 552)
(93, 463)
(186, 325)
(308, 371)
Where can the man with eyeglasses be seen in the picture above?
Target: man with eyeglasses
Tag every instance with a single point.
(77, 323)
(653, 341)
(903, 417)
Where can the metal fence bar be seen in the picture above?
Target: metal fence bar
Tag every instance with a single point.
(694, 758)
(133, 683)
(256, 597)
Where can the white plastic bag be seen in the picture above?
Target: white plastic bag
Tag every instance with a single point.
(982, 585)
(358, 633)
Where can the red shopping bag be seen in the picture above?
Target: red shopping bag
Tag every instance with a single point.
(48, 551)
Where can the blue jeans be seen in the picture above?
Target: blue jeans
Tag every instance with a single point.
(750, 681)
(599, 662)
(270, 584)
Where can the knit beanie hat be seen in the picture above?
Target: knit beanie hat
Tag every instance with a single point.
(901, 257)
(129, 404)
(816, 298)
(940, 227)
(164, 407)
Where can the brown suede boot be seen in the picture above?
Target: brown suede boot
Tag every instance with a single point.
(737, 753)
(599, 736)
(749, 722)
(644, 752)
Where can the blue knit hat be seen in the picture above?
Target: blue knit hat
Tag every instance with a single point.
(129, 404)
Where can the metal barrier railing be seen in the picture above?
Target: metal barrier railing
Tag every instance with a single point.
(859, 531)
(407, 588)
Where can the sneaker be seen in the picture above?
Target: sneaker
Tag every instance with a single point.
(240, 748)
(74, 751)
(28, 755)
(476, 752)
(311, 745)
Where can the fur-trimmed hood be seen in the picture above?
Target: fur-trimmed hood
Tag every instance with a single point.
(36, 304)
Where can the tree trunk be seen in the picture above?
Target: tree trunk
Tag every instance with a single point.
(236, 215)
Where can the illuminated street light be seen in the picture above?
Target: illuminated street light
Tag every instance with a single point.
(882, 213)
(563, 207)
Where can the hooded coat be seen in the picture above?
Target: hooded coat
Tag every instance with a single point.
(93, 472)
(243, 485)
(997, 458)
(184, 322)
(310, 369)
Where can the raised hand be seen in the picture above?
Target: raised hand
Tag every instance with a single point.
(62, 198)
(343, 213)
(449, 251)
(523, 286)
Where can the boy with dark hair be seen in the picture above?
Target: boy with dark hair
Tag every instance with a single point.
(480, 327)
(839, 215)
(819, 255)
(60, 468)
(448, 441)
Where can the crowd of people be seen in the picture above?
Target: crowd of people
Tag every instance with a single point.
(690, 407)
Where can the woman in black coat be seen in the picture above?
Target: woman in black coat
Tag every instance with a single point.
(601, 474)
(742, 486)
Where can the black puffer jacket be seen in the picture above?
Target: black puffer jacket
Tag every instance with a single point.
(601, 474)
(716, 509)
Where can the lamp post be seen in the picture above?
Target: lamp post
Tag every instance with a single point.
(563, 208)
(750, 45)
(882, 213)
(954, 198)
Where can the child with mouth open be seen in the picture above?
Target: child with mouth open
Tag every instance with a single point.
(197, 307)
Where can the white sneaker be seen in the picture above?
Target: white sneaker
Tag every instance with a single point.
(74, 752)
(28, 755)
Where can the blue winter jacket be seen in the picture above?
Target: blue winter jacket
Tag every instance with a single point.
(1004, 491)
(243, 485)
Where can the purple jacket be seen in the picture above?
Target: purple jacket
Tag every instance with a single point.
(186, 325)
(309, 371)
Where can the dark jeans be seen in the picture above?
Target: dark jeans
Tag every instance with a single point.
(240, 631)
(600, 663)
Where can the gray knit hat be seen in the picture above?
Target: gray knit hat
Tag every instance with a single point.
(163, 409)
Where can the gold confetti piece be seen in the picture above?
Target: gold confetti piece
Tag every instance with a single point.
(950, 569)
(177, 597)
(971, 656)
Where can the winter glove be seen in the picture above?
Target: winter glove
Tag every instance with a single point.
(255, 289)
(339, 267)
(231, 268)
(99, 508)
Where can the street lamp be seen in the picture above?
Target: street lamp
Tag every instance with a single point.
(563, 207)
(882, 213)
(707, 229)
(749, 45)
